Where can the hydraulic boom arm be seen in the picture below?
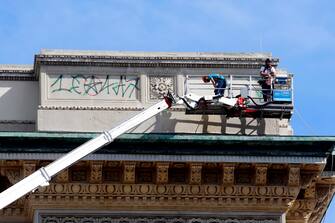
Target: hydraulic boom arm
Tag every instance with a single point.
(42, 176)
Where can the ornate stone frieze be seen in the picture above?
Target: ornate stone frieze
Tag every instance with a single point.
(159, 86)
(28, 168)
(162, 172)
(104, 108)
(129, 172)
(63, 176)
(324, 194)
(13, 175)
(261, 173)
(307, 177)
(228, 174)
(294, 175)
(96, 172)
(195, 173)
(310, 191)
(305, 204)
(12, 163)
(161, 195)
(301, 210)
(151, 218)
(15, 209)
(183, 188)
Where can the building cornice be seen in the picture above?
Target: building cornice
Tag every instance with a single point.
(134, 59)
(152, 59)
(170, 144)
(172, 158)
(15, 72)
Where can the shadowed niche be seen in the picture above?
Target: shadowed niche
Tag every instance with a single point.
(4, 183)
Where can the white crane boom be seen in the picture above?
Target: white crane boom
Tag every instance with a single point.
(213, 104)
(42, 176)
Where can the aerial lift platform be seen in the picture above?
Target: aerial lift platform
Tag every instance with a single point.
(244, 98)
(241, 105)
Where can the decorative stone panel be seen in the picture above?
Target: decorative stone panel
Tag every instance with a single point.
(228, 174)
(294, 175)
(13, 175)
(310, 191)
(63, 176)
(129, 172)
(195, 173)
(159, 86)
(96, 172)
(261, 173)
(162, 172)
(28, 168)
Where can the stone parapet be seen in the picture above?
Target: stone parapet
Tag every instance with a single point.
(95, 90)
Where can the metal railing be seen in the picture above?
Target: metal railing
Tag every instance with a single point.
(235, 85)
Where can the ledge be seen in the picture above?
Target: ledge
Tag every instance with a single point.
(153, 55)
(172, 144)
(152, 59)
(16, 72)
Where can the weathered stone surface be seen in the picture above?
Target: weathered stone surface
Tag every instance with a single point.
(90, 87)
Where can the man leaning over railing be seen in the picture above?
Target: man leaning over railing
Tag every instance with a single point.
(218, 81)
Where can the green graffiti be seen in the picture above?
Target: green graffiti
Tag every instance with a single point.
(93, 86)
(60, 87)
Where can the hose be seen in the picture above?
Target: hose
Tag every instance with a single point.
(260, 105)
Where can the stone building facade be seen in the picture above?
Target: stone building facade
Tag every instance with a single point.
(173, 167)
(78, 91)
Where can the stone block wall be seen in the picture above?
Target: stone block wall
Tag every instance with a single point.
(88, 91)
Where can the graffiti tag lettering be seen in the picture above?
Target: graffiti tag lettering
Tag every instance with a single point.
(95, 85)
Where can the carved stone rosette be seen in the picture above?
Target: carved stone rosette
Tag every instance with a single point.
(159, 86)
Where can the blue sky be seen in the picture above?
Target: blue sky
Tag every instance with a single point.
(301, 33)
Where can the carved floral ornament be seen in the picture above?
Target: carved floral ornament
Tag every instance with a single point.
(159, 86)
(149, 190)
